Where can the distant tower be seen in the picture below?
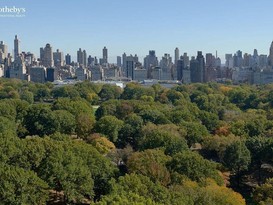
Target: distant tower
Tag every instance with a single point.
(176, 55)
(105, 55)
(68, 59)
(16, 47)
(124, 56)
(119, 61)
(46, 56)
(82, 57)
(58, 58)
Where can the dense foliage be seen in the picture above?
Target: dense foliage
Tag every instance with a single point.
(98, 144)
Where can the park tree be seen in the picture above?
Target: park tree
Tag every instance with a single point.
(39, 120)
(20, 186)
(150, 163)
(110, 92)
(237, 158)
(194, 166)
(109, 126)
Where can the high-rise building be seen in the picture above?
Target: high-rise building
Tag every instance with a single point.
(46, 56)
(105, 55)
(68, 59)
(37, 74)
(176, 55)
(130, 66)
(58, 58)
(197, 69)
(124, 56)
(3, 51)
(18, 68)
(186, 60)
(82, 57)
(270, 57)
(90, 61)
(179, 69)
(229, 60)
(119, 61)
(51, 74)
(150, 60)
(166, 67)
(201, 66)
(16, 47)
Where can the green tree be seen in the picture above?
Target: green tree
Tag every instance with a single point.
(109, 126)
(19, 186)
(39, 120)
(194, 166)
(237, 158)
(110, 92)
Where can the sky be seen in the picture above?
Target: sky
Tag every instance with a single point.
(135, 27)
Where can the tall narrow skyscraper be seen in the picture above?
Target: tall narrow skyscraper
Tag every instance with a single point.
(176, 55)
(105, 55)
(46, 56)
(270, 57)
(16, 47)
(81, 57)
(68, 59)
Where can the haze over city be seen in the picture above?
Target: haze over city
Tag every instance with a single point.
(139, 26)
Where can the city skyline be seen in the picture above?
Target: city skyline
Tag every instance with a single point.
(137, 27)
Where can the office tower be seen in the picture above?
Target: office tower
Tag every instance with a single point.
(201, 67)
(197, 69)
(3, 51)
(247, 60)
(130, 66)
(37, 74)
(51, 74)
(46, 56)
(124, 62)
(186, 59)
(150, 60)
(229, 60)
(179, 69)
(210, 60)
(97, 72)
(270, 57)
(105, 55)
(82, 57)
(238, 59)
(68, 59)
(263, 61)
(18, 68)
(176, 55)
(58, 58)
(96, 60)
(90, 61)
(119, 61)
(194, 71)
(166, 66)
(16, 47)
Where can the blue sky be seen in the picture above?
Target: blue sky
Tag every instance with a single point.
(141, 25)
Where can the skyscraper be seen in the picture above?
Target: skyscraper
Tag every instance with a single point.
(46, 56)
(16, 47)
(150, 60)
(176, 55)
(58, 58)
(3, 49)
(82, 57)
(201, 66)
(119, 61)
(270, 57)
(68, 59)
(105, 55)
(130, 66)
(179, 69)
